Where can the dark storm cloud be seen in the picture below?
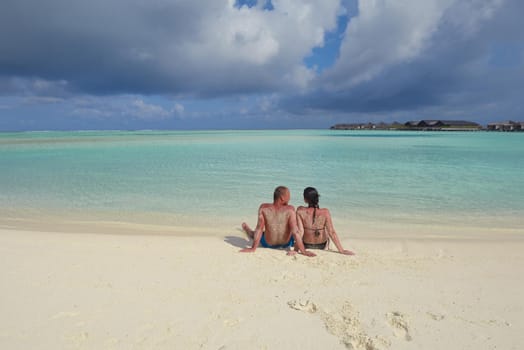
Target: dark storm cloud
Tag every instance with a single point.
(97, 45)
(147, 47)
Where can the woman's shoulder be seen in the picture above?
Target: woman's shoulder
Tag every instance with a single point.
(318, 210)
(323, 211)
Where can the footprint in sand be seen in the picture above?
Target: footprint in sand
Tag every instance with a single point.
(300, 305)
(436, 317)
(343, 324)
(399, 324)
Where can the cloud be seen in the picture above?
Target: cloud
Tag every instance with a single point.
(388, 33)
(37, 100)
(130, 107)
(142, 110)
(211, 47)
(33, 87)
(432, 57)
(225, 64)
(178, 109)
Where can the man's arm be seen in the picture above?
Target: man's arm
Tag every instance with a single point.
(257, 235)
(300, 226)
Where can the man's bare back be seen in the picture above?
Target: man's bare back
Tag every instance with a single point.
(278, 226)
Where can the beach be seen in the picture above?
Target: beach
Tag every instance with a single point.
(102, 291)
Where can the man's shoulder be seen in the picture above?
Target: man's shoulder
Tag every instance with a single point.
(266, 205)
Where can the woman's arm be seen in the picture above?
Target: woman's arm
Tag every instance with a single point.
(300, 226)
(333, 235)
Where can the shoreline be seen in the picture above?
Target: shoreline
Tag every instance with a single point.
(347, 229)
(161, 224)
(491, 227)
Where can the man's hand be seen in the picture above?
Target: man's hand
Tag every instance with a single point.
(346, 252)
(248, 250)
(310, 254)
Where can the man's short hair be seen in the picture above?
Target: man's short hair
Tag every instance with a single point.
(279, 192)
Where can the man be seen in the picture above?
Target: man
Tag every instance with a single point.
(277, 225)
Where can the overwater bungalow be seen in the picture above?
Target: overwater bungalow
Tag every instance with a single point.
(447, 125)
(506, 126)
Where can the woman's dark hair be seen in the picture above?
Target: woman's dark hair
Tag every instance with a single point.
(311, 196)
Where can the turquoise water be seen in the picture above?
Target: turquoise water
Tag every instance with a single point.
(219, 178)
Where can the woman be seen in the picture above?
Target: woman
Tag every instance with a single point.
(315, 224)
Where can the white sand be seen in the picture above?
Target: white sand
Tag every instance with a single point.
(89, 291)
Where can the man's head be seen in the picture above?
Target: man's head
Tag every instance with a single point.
(281, 194)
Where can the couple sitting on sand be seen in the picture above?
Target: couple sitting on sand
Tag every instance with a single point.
(280, 227)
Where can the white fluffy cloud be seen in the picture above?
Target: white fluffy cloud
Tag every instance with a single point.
(143, 110)
(387, 33)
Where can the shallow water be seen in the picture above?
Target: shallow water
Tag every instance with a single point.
(218, 178)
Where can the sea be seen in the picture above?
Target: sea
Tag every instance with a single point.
(375, 183)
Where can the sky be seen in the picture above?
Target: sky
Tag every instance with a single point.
(266, 64)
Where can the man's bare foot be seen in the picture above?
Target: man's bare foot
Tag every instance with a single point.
(292, 252)
(248, 230)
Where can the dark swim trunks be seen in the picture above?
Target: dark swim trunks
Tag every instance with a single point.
(315, 245)
(264, 244)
